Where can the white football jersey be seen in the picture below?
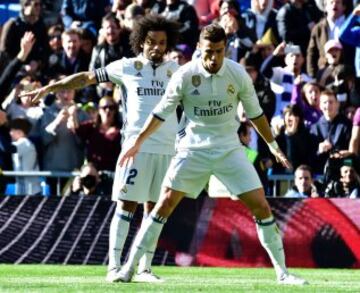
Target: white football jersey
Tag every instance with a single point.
(210, 104)
(142, 86)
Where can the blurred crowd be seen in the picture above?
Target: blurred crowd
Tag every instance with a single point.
(302, 55)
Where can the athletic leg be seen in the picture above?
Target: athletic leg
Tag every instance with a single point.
(150, 231)
(119, 229)
(269, 234)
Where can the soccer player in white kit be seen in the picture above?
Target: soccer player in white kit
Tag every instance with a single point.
(143, 80)
(210, 90)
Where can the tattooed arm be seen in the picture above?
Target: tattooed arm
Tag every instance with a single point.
(72, 82)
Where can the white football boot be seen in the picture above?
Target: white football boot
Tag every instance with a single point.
(147, 276)
(290, 279)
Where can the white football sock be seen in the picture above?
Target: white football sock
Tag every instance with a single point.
(147, 235)
(270, 239)
(146, 259)
(119, 229)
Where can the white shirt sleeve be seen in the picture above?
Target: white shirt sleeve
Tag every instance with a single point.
(172, 97)
(248, 97)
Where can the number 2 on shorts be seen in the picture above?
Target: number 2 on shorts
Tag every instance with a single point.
(132, 174)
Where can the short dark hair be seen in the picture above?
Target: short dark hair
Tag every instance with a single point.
(293, 109)
(111, 16)
(21, 124)
(153, 23)
(213, 33)
(328, 92)
(304, 167)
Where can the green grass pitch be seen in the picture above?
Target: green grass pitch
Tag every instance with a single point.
(90, 279)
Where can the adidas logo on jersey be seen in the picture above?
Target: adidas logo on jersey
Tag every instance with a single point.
(195, 92)
(139, 74)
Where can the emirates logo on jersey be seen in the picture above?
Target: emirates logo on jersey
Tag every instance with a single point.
(138, 65)
(196, 80)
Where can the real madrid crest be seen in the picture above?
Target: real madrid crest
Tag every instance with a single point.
(196, 80)
(169, 73)
(230, 89)
(138, 65)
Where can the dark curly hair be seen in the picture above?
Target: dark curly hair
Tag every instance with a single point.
(153, 23)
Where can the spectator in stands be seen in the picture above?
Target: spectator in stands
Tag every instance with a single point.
(133, 13)
(185, 14)
(9, 73)
(265, 95)
(261, 164)
(54, 36)
(345, 182)
(333, 130)
(24, 158)
(63, 150)
(350, 181)
(118, 8)
(304, 186)
(295, 24)
(101, 137)
(240, 38)
(350, 34)
(51, 12)
(207, 10)
(6, 150)
(111, 48)
(85, 14)
(72, 59)
(261, 18)
(88, 42)
(328, 28)
(29, 20)
(90, 182)
(336, 75)
(147, 5)
(295, 139)
(307, 97)
(17, 107)
(181, 54)
(282, 78)
(354, 143)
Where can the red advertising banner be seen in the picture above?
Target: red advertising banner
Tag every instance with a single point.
(316, 233)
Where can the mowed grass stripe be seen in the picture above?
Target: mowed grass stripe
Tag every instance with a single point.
(59, 278)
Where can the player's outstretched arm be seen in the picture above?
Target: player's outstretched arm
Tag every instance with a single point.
(72, 82)
(151, 125)
(263, 128)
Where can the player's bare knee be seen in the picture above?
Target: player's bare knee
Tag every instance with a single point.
(126, 205)
(262, 210)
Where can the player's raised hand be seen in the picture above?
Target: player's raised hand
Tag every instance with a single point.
(128, 154)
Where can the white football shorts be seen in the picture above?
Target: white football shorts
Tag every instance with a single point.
(141, 181)
(190, 171)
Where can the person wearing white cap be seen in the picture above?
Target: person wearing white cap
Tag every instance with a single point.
(328, 28)
(333, 51)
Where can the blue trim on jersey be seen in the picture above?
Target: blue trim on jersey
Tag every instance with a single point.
(124, 104)
(158, 117)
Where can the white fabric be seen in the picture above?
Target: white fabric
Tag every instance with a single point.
(141, 181)
(210, 104)
(25, 159)
(189, 172)
(143, 87)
